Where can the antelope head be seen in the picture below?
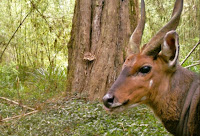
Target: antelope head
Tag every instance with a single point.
(146, 73)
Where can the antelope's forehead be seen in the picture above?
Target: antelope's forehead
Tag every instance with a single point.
(138, 60)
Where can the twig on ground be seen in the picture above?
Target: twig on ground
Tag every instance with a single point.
(18, 116)
(14, 102)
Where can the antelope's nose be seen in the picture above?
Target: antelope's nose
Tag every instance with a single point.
(108, 100)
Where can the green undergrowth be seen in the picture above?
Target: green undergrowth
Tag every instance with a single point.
(76, 117)
(31, 85)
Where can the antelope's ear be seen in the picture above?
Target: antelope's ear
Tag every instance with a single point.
(170, 48)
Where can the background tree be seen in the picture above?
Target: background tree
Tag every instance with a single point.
(98, 44)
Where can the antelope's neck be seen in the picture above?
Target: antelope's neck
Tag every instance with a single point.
(171, 98)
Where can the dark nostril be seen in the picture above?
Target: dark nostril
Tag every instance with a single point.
(108, 100)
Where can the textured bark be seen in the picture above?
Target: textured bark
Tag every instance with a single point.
(98, 44)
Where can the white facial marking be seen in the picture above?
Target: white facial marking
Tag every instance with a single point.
(150, 83)
(143, 98)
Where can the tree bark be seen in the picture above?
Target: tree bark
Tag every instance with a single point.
(98, 44)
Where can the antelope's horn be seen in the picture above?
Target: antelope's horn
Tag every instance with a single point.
(154, 45)
(135, 39)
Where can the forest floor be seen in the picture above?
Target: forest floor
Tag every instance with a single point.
(77, 117)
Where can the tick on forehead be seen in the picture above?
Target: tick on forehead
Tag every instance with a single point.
(130, 60)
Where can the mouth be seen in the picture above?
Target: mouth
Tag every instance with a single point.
(117, 107)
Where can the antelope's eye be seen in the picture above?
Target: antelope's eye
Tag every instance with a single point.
(145, 69)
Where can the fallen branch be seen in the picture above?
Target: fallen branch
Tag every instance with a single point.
(190, 52)
(18, 116)
(14, 102)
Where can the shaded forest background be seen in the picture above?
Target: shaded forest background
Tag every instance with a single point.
(34, 37)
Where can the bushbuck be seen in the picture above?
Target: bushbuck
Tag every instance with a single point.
(153, 76)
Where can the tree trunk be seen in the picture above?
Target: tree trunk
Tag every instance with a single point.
(98, 44)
